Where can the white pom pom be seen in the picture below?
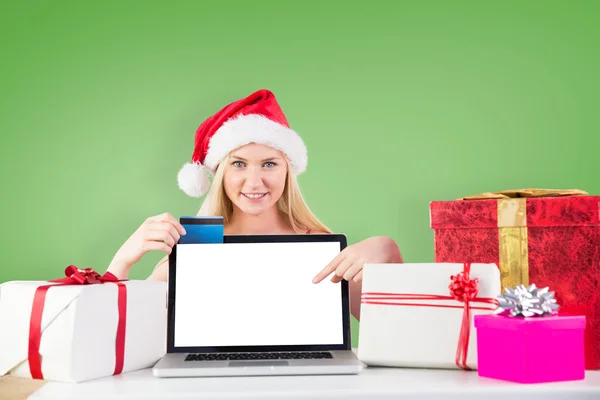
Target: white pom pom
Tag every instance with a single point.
(193, 179)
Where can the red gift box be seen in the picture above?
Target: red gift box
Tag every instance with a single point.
(547, 237)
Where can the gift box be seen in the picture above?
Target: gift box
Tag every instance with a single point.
(550, 237)
(533, 347)
(82, 327)
(421, 315)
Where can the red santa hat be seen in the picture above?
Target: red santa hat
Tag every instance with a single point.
(254, 119)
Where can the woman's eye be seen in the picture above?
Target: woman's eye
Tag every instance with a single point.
(270, 164)
(238, 164)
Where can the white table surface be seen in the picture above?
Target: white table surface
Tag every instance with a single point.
(371, 383)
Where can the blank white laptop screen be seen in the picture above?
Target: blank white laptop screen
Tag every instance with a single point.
(256, 294)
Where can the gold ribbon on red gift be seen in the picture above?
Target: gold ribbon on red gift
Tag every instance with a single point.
(75, 276)
(513, 250)
(462, 288)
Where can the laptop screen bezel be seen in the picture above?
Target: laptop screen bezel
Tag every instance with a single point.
(310, 238)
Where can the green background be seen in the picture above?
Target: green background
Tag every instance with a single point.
(399, 103)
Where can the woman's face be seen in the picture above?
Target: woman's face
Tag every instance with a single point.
(254, 178)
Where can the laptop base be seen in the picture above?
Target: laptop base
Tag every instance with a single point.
(173, 365)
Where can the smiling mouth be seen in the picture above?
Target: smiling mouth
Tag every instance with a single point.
(254, 196)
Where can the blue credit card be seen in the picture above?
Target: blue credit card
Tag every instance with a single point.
(202, 230)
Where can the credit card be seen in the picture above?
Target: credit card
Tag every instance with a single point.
(201, 229)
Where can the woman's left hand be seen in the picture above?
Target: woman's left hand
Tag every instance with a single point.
(349, 263)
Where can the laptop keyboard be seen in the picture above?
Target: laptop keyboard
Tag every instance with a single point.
(294, 355)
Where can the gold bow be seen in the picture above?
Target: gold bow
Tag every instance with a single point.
(518, 193)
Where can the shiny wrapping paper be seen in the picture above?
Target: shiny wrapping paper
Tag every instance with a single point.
(550, 238)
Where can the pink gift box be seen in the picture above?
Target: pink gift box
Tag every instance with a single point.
(531, 349)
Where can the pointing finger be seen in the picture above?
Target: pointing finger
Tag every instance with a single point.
(329, 268)
(342, 269)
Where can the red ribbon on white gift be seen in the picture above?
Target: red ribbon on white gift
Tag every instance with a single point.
(75, 276)
(462, 288)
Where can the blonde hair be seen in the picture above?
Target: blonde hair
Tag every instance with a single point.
(291, 203)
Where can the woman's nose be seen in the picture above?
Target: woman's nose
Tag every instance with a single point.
(254, 176)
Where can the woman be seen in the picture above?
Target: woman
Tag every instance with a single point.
(254, 157)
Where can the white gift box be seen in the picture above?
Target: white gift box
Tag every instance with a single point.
(409, 317)
(79, 329)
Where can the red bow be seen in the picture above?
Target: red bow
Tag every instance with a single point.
(87, 276)
(74, 276)
(465, 290)
(462, 288)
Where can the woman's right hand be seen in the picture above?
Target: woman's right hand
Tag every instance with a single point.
(160, 232)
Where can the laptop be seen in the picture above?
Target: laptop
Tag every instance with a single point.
(248, 306)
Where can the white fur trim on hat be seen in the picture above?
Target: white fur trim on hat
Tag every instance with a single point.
(193, 179)
(254, 128)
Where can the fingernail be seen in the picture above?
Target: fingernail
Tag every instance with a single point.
(314, 280)
(184, 232)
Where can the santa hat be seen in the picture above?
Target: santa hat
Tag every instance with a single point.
(254, 119)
